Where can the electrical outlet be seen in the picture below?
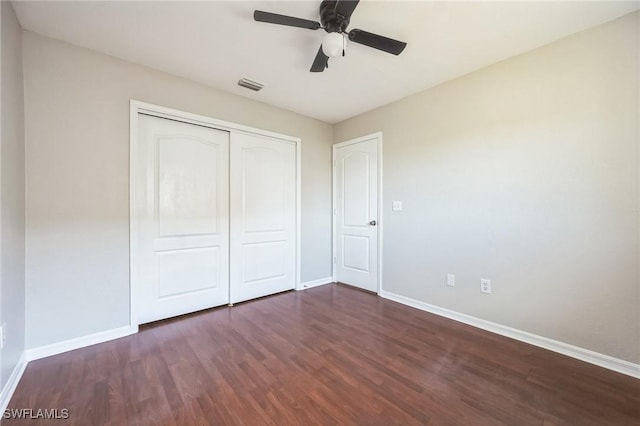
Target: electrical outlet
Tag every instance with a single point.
(396, 206)
(485, 285)
(451, 280)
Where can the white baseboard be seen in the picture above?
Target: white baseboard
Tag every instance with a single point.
(11, 385)
(77, 343)
(602, 360)
(315, 283)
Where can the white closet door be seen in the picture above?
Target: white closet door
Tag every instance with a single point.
(181, 201)
(263, 216)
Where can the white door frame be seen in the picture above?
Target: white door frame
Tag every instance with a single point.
(379, 219)
(137, 107)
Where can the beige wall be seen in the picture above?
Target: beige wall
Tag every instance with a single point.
(526, 173)
(12, 210)
(77, 119)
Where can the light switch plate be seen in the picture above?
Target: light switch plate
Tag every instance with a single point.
(451, 280)
(397, 206)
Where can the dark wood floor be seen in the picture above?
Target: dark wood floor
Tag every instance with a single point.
(329, 355)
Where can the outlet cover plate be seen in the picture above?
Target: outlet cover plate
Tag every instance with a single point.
(485, 285)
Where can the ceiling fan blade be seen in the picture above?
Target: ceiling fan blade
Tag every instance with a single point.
(320, 62)
(346, 7)
(274, 18)
(376, 41)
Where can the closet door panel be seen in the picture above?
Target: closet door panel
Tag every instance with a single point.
(262, 216)
(181, 198)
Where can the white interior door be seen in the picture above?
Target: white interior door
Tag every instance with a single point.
(263, 216)
(182, 205)
(356, 214)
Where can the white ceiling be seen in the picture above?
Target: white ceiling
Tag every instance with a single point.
(216, 43)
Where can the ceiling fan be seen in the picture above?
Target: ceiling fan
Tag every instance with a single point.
(334, 19)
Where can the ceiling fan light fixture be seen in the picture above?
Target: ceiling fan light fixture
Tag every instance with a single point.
(333, 44)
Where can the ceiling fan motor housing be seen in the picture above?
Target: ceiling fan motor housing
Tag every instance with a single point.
(332, 22)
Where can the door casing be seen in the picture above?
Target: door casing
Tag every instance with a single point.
(138, 107)
(380, 218)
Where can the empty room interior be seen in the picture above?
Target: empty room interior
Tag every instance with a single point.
(320, 212)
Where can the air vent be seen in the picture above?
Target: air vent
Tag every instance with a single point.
(250, 84)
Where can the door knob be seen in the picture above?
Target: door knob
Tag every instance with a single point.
(373, 223)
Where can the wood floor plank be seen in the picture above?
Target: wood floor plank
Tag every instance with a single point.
(331, 355)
